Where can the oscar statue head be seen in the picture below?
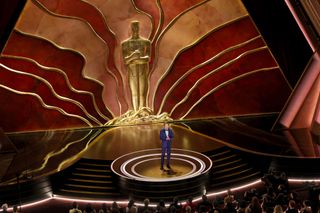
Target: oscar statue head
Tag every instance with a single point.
(135, 29)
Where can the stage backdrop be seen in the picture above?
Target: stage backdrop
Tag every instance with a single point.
(62, 65)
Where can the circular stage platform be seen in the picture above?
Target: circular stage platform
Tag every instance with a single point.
(144, 165)
(140, 172)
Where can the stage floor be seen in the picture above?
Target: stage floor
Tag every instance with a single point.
(118, 141)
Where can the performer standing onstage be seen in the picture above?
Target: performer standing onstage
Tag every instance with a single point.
(166, 136)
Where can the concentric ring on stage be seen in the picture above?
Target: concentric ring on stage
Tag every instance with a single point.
(144, 165)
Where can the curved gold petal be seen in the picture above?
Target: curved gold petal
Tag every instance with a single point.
(114, 35)
(218, 55)
(156, 34)
(119, 21)
(188, 127)
(45, 105)
(53, 69)
(75, 157)
(171, 23)
(94, 4)
(94, 50)
(214, 71)
(157, 37)
(104, 17)
(226, 83)
(67, 49)
(190, 46)
(161, 20)
(54, 92)
(55, 153)
(98, 36)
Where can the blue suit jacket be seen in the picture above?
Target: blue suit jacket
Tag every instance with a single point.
(163, 136)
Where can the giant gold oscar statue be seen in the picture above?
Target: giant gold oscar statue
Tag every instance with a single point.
(136, 57)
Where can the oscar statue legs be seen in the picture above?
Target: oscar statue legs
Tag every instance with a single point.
(138, 82)
(143, 85)
(134, 85)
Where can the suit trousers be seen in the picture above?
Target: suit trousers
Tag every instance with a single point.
(166, 148)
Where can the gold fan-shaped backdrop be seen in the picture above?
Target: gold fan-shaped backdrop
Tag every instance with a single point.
(62, 65)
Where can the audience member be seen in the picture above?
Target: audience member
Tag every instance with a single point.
(229, 208)
(172, 209)
(15, 209)
(146, 208)
(281, 199)
(229, 198)
(89, 209)
(306, 208)
(131, 206)
(254, 206)
(205, 205)
(176, 204)
(4, 208)
(115, 208)
(292, 207)
(248, 210)
(104, 208)
(267, 204)
(242, 207)
(161, 208)
(278, 209)
(188, 209)
(75, 208)
(294, 196)
(190, 204)
(216, 211)
(229, 203)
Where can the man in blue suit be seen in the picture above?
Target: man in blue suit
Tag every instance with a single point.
(166, 136)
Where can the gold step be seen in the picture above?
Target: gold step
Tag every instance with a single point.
(221, 159)
(221, 153)
(225, 164)
(89, 181)
(225, 176)
(91, 187)
(86, 192)
(91, 175)
(93, 170)
(238, 179)
(229, 169)
(93, 164)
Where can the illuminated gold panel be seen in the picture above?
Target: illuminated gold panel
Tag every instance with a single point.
(190, 27)
(78, 36)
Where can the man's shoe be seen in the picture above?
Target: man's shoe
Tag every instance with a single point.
(168, 166)
(161, 168)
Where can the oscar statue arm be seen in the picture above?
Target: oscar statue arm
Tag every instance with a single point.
(127, 55)
(146, 56)
(133, 56)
